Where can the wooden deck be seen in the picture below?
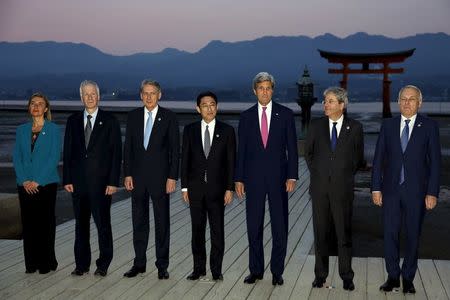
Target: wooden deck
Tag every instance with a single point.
(432, 280)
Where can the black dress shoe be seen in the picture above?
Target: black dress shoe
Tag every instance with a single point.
(318, 282)
(100, 272)
(390, 284)
(349, 285)
(408, 287)
(195, 275)
(163, 274)
(30, 270)
(250, 279)
(134, 271)
(217, 277)
(78, 272)
(277, 280)
(44, 271)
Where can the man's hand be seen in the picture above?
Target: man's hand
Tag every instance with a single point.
(185, 196)
(377, 198)
(430, 201)
(240, 189)
(290, 185)
(170, 185)
(69, 188)
(110, 189)
(128, 183)
(228, 198)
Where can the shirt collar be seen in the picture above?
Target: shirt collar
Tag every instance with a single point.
(269, 106)
(94, 114)
(154, 111)
(339, 121)
(413, 119)
(210, 124)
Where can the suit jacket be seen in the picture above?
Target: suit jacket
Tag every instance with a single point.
(41, 164)
(219, 166)
(334, 171)
(99, 164)
(152, 167)
(421, 160)
(279, 160)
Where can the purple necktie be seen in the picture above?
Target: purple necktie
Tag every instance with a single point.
(264, 127)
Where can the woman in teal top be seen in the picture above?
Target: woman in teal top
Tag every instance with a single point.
(36, 156)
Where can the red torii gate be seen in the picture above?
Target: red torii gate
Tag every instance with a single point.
(365, 59)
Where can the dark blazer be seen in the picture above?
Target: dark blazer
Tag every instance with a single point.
(334, 171)
(421, 159)
(41, 164)
(279, 159)
(160, 161)
(99, 164)
(220, 163)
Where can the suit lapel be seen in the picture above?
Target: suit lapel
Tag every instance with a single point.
(257, 129)
(98, 126)
(79, 128)
(217, 134)
(415, 133)
(40, 140)
(344, 133)
(274, 122)
(157, 122)
(326, 132)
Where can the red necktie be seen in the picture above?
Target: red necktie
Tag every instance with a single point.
(264, 127)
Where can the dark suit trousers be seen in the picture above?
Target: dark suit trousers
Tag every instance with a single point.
(326, 211)
(255, 209)
(140, 215)
(99, 205)
(397, 206)
(38, 222)
(214, 209)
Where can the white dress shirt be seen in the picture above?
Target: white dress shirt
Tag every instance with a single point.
(338, 125)
(410, 125)
(154, 112)
(94, 116)
(211, 126)
(268, 114)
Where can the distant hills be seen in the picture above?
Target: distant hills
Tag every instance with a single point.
(220, 65)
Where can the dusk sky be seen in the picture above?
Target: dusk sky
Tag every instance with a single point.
(127, 27)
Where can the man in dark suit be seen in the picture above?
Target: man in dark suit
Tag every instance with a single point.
(150, 165)
(405, 182)
(207, 167)
(92, 158)
(334, 149)
(267, 165)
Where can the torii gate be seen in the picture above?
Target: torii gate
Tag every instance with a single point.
(365, 59)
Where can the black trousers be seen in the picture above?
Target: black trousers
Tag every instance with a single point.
(201, 208)
(327, 209)
(38, 221)
(99, 205)
(141, 219)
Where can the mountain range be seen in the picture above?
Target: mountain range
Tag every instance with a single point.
(223, 65)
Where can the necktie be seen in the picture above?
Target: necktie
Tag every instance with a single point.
(404, 141)
(148, 129)
(333, 136)
(264, 127)
(87, 131)
(207, 145)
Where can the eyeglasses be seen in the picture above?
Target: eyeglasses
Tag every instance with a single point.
(149, 94)
(329, 101)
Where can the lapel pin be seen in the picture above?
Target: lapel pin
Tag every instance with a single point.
(43, 132)
(348, 127)
(159, 119)
(217, 135)
(276, 114)
(100, 123)
(420, 124)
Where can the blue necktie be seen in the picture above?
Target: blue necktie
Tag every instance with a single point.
(333, 136)
(148, 129)
(404, 141)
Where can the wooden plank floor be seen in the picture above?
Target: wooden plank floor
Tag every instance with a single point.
(432, 280)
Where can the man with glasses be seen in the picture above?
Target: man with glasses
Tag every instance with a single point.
(405, 182)
(334, 150)
(150, 166)
(207, 168)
